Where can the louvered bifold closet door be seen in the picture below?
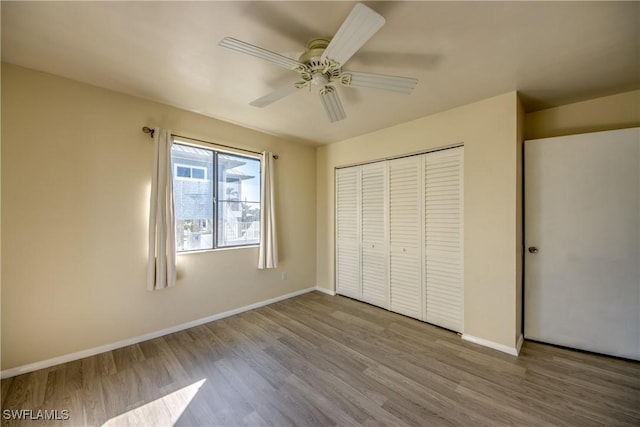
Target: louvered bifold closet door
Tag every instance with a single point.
(405, 241)
(443, 238)
(375, 281)
(348, 232)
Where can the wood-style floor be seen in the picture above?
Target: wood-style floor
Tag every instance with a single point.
(321, 360)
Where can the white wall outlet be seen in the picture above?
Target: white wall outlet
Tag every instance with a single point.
(284, 275)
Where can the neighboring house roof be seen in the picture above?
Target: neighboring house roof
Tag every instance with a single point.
(185, 152)
(237, 174)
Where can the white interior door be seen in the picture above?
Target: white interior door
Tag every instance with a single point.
(582, 234)
(348, 232)
(405, 236)
(375, 280)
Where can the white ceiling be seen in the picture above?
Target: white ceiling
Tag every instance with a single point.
(553, 53)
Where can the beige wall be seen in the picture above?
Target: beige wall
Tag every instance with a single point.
(607, 113)
(489, 132)
(75, 185)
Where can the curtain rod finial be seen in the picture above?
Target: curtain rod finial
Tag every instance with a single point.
(147, 129)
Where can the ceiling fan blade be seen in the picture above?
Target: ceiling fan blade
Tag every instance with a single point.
(360, 25)
(378, 81)
(332, 105)
(258, 52)
(276, 95)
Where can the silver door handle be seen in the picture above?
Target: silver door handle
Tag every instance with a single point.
(533, 250)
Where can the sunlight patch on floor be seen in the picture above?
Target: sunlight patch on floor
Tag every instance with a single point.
(164, 411)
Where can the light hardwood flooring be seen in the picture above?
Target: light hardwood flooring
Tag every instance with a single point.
(322, 360)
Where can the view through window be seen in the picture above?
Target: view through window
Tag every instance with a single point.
(217, 198)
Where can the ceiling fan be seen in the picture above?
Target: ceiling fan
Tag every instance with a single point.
(321, 63)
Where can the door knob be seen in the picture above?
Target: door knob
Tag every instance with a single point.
(533, 249)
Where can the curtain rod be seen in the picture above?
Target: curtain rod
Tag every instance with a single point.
(147, 129)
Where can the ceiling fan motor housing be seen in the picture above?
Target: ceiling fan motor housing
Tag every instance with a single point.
(319, 72)
(314, 50)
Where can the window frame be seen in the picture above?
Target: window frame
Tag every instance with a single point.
(214, 178)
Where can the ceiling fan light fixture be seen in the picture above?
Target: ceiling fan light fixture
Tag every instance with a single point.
(319, 79)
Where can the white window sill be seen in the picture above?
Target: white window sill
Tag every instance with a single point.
(200, 251)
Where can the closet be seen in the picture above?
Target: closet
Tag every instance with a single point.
(399, 235)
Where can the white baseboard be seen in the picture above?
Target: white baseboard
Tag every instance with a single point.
(325, 291)
(7, 373)
(494, 345)
(519, 343)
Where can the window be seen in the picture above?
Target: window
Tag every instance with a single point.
(193, 172)
(217, 198)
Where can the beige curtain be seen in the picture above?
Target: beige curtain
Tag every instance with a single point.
(268, 253)
(161, 269)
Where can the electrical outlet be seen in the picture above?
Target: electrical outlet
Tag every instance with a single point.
(284, 275)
